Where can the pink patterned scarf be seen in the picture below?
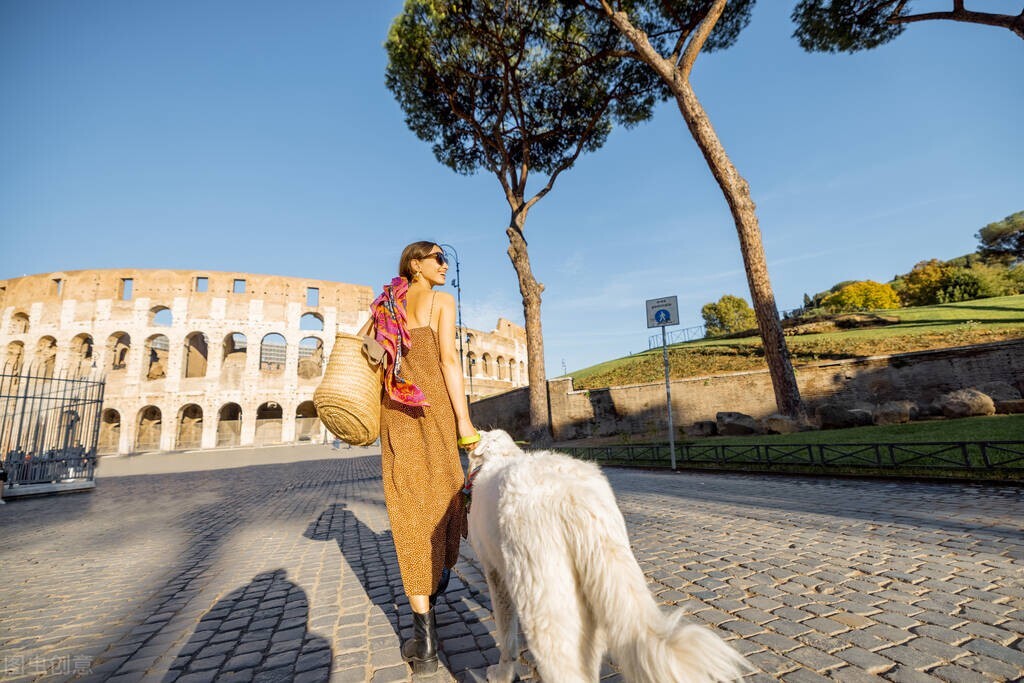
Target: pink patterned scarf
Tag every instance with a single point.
(388, 312)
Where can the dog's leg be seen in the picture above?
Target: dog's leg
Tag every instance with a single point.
(507, 627)
(553, 617)
(594, 646)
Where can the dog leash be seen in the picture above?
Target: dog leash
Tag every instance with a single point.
(467, 489)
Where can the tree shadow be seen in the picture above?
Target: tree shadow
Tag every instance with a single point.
(256, 633)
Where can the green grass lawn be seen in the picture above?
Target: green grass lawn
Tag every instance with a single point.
(928, 327)
(990, 428)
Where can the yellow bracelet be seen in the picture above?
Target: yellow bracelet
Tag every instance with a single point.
(469, 440)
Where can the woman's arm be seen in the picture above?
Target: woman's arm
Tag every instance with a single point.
(451, 364)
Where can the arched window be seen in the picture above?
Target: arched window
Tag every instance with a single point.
(307, 424)
(311, 358)
(269, 419)
(154, 360)
(110, 432)
(229, 425)
(273, 350)
(470, 362)
(14, 358)
(311, 321)
(500, 368)
(147, 435)
(190, 427)
(80, 360)
(118, 346)
(161, 316)
(45, 358)
(196, 355)
(486, 370)
(19, 323)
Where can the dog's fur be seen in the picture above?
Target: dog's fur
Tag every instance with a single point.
(556, 557)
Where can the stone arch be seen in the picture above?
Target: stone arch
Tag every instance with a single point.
(190, 427)
(487, 369)
(119, 344)
(81, 354)
(500, 368)
(148, 428)
(229, 425)
(523, 379)
(234, 351)
(307, 423)
(196, 355)
(269, 420)
(45, 357)
(313, 322)
(273, 348)
(154, 359)
(470, 362)
(311, 358)
(161, 316)
(18, 324)
(110, 431)
(14, 358)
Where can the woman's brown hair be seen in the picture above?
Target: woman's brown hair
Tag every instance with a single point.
(413, 252)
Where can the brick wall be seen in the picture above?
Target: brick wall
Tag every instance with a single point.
(640, 409)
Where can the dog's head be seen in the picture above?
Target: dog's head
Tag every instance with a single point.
(494, 443)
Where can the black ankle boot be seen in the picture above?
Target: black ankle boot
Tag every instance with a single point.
(442, 585)
(421, 650)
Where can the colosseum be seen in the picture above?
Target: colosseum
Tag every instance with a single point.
(206, 359)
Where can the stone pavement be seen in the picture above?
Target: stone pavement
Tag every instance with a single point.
(286, 572)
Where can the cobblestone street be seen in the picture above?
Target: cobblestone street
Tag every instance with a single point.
(286, 572)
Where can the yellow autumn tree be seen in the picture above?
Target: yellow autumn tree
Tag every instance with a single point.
(866, 295)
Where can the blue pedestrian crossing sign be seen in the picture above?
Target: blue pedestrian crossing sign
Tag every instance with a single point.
(663, 312)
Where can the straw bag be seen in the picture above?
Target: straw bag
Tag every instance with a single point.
(348, 398)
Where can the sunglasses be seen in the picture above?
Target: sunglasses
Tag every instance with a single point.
(439, 256)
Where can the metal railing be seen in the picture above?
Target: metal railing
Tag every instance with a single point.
(946, 455)
(49, 427)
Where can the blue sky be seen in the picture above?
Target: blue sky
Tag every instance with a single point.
(258, 136)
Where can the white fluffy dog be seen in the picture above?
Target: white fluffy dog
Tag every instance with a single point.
(556, 556)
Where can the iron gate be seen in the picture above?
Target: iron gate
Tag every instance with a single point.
(49, 428)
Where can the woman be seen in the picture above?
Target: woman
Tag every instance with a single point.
(423, 411)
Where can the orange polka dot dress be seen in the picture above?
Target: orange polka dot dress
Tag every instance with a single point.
(421, 470)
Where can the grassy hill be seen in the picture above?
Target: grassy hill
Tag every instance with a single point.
(918, 329)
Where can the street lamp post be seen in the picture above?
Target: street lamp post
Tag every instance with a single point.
(457, 284)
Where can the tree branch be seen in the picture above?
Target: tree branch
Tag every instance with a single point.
(700, 37)
(1014, 23)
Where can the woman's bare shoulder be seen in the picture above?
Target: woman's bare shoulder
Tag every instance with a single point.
(444, 299)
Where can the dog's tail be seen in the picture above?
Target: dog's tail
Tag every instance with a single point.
(649, 645)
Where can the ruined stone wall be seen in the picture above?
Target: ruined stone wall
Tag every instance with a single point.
(639, 410)
(198, 359)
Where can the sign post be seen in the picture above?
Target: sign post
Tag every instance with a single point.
(662, 313)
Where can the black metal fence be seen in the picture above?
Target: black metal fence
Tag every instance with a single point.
(988, 456)
(49, 428)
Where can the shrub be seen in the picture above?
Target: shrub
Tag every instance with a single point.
(920, 285)
(862, 296)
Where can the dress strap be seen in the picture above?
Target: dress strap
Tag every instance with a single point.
(430, 319)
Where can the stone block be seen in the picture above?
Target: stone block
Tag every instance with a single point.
(965, 403)
(999, 391)
(834, 416)
(780, 424)
(1014, 407)
(894, 412)
(702, 428)
(736, 424)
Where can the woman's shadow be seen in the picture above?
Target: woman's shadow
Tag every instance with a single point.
(370, 555)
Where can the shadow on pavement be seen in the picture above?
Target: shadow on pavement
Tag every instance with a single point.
(256, 633)
(372, 558)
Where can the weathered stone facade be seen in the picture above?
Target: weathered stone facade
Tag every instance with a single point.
(639, 410)
(201, 359)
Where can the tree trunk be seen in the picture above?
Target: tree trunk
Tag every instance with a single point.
(737, 194)
(540, 428)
